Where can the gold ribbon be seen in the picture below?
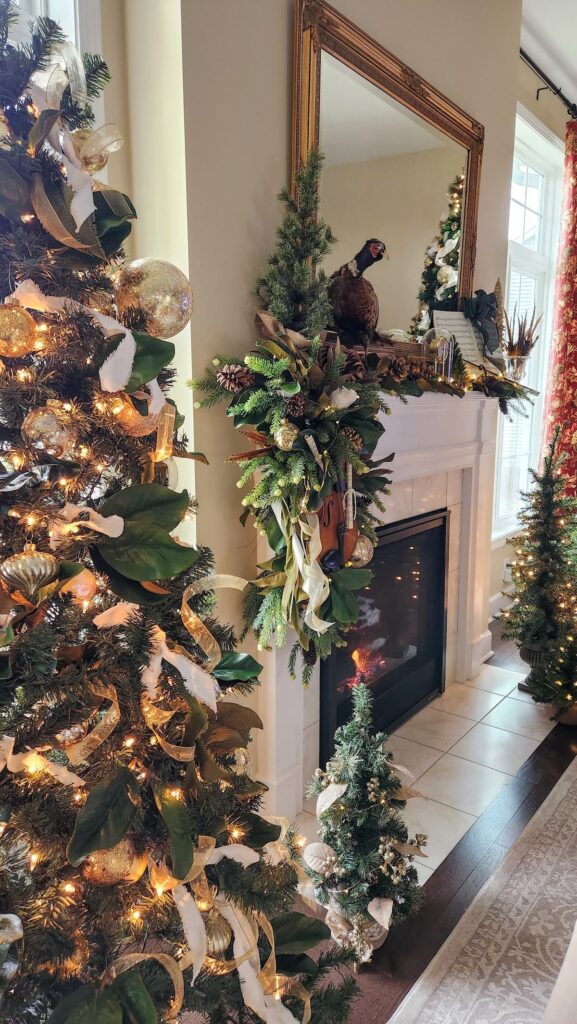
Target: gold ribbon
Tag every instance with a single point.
(173, 969)
(165, 433)
(81, 751)
(155, 717)
(278, 985)
(194, 624)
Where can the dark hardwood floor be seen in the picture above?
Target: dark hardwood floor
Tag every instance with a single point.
(453, 886)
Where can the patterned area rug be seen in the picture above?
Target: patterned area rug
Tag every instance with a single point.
(500, 963)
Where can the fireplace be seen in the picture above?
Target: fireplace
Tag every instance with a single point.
(398, 645)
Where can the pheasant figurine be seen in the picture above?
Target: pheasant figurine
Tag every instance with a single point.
(353, 300)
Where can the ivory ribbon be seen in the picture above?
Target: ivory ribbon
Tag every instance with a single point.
(194, 624)
(129, 960)
(33, 761)
(62, 525)
(304, 571)
(196, 679)
(81, 751)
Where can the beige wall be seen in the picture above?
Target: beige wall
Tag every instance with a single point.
(399, 199)
(547, 108)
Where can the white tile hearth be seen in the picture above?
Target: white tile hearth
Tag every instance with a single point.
(415, 757)
(496, 680)
(466, 701)
(525, 719)
(435, 728)
(442, 824)
(462, 784)
(504, 751)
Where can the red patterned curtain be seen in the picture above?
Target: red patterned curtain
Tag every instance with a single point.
(561, 400)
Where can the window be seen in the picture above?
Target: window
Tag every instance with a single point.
(534, 217)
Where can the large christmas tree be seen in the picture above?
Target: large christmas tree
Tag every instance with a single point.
(137, 877)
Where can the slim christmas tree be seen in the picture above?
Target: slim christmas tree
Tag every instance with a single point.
(137, 877)
(440, 275)
(362, 869)
(293, 288)
(542, 618)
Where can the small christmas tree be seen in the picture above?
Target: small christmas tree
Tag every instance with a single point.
(542, 617)
(362, 869)
(440, 275)
(292, 288)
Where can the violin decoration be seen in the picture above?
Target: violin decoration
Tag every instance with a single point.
(338, 542)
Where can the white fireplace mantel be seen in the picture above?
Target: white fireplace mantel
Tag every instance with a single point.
(435, 439)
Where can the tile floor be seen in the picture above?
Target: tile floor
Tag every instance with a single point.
(460, 750)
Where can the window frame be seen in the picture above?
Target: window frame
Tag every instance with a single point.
(547, 159)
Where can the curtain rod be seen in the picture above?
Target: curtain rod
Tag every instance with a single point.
(549, 84)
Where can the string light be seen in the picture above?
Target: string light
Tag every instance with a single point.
(33, 860)
(136, 915)
(69, 888)
(176, 793)
(236, 833)
(129, 741)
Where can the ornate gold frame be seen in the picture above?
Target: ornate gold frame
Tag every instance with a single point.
(318, 26)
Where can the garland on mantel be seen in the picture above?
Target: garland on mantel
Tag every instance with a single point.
(312, 412)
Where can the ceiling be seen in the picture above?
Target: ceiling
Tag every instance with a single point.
(549, 35)
(359, 122)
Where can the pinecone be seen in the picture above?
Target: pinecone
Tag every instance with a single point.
(310, 656)
(353, 437)
(295, 406)
(398, 368)
(234, 377)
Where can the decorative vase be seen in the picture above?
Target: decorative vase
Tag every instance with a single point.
(569, 717)
(516, 367)
(533, 655)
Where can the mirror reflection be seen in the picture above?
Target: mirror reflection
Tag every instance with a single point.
(390, 176)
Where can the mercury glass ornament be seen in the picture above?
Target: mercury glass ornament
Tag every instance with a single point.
(362, 553)
(17, 331)
(286, 435)
(121, 863)
(29, 571)
(159, 290)
(91, 157)
(51, 429)
(218, 934)
(71, 735)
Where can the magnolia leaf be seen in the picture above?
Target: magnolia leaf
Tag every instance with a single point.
(150, 502)
(295, 963)
(381, 909)
(219, 739)
(127, 590)
(236, 716)
(325, 800)
(196, 720)
(106, 815)
(351, 578)
(251, 789)
(41, 129)
(177, 820)
(6, 636)
(14, 191)
(152, 355)
(146, 552)
(235, 667)
(259, 831)
(68, 570)
(295, 933)
(135, 999)
(112, 215)
(343, 605)
(210, 770)
(88, 1005)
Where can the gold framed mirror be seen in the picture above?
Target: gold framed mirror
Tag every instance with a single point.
(381, 126)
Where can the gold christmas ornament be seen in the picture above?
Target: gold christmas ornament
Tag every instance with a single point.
(159, 290)
(362, 553)
(51, 429)
(71, 735)
(286, 435)
(92, 159)
(29, 571)
(218, 934)
(121, 863)
(17, 331)
(83, 587)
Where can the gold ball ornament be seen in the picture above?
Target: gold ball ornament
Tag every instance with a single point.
(91, 157)
(51, 429)
(286, 435)
(446, 275)
(159, 290)
(121, 863)
(362, 553)
(17, 332)
(218, 934)
(29, 571)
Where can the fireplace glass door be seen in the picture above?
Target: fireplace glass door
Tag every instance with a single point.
(397, 646)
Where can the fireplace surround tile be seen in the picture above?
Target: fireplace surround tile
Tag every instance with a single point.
(429, 493)
(454, 487)
(454, 537)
